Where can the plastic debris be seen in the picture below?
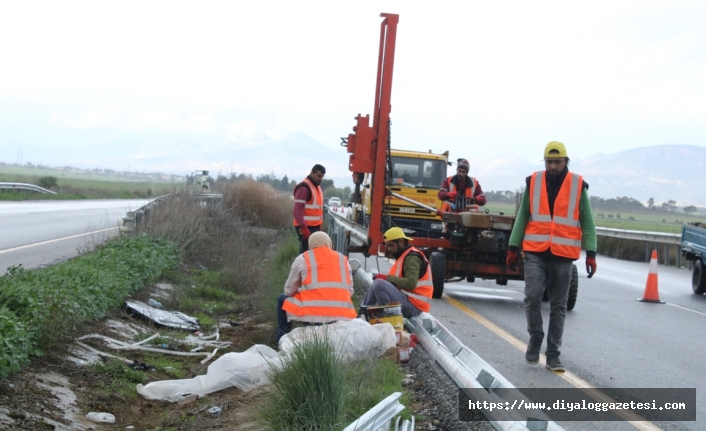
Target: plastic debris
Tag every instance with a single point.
(141, 366)
(188, 399)
(171, 319)
(156, 304)
(215, 410)
(101, 417)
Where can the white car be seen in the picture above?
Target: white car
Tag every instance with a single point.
(334, 202)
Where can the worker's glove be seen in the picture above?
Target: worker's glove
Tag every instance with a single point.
(304, 231)
(380, 277)
(511, 260)
(591, 266)
(451, 195)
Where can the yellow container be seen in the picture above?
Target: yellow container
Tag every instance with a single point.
(391, 313)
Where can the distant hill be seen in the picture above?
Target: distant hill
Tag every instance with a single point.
(666, 172)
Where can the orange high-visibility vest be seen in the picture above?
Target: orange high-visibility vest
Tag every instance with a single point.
(561, 233)
(462, 202)
(314, 207)
(420, 297)
(324, 292)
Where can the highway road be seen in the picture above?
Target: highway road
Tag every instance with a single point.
(610, 339)
(41, 233)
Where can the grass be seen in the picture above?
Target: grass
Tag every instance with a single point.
(40, 309)
(649, 221)
(315, 389)
(308, 391)
(75, 185)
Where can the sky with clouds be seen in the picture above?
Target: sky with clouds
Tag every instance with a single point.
(476, 78)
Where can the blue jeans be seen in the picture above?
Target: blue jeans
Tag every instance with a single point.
(382, 292)
(555, 275)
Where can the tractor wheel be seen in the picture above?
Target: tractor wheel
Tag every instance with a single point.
(698, 278)
(573, 288)
(438, 273)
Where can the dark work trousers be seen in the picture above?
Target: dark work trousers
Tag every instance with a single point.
(283, 326)
(382, 292)
(304, 244)
(555, 275)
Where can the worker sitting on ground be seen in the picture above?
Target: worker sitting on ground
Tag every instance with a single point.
(460, 192)
(408, 282)
(318, 289)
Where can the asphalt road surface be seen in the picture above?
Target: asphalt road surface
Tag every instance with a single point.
(610, 339)
(41, 233)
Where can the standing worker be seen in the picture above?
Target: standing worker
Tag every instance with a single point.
(460, 192)
(409, 279)
(318, 289)
(309, 206)
(554, 216)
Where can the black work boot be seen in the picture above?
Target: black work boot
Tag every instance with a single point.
(554, 364)
(532, 353)
(363, 311)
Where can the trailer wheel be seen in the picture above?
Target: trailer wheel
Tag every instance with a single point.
(573, 288)
(438, 273)
(698, 278)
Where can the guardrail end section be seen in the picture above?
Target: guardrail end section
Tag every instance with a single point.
(379, 417)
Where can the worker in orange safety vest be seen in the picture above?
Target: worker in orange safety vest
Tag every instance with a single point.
(461, 192)
(309, 206)
(553, 220)
(408, 282)
(318, 289)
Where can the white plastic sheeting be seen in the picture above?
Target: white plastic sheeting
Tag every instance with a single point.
(245, 370)
(354, 340)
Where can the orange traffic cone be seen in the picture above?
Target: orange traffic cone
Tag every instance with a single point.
(651, 294)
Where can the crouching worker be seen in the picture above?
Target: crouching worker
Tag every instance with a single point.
(318, 289)
(409, 281)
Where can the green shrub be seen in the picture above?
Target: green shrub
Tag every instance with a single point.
(16, 345)
(52, 304)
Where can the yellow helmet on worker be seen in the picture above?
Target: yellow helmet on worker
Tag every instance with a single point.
(395, 233)
(555, 149)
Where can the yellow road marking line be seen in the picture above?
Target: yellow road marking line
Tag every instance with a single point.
(7, 250)
(634, 419)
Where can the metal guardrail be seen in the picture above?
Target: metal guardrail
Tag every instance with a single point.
(132, 218)
(468, 370)
(658, 237)
(379, 418)
(24, 186)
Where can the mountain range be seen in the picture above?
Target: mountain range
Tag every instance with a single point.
(664, 172)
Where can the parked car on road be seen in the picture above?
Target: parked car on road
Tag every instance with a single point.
(334, 201)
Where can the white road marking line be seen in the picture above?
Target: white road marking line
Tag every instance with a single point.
(574, 380)
(7, 250)
(687, 309)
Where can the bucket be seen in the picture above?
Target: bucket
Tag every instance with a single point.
(391, 313)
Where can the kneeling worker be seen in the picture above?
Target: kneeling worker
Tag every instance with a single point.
(318, 289)
(409, 281)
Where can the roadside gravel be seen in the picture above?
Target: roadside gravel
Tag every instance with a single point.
(437, 396)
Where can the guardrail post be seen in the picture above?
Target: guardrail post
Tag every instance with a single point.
(129, 222)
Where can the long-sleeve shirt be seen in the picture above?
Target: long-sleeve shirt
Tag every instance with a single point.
(410, 268)
(301, 195)
(588, 226)
(461, 189)
(298, 273)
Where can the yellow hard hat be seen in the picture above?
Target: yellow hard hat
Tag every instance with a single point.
(395, 233)
(558, 148)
